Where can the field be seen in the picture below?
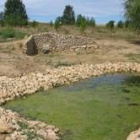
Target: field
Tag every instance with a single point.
(118, 45)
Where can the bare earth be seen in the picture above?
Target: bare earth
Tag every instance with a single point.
(14, 62)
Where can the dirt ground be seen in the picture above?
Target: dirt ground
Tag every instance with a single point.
(14, 62)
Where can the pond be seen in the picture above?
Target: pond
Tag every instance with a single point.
(102, 108)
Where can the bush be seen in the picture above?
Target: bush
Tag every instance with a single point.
(120, 24)
(110, 25)
(34, 24)
(91, 22)
(11, 33)
(81, 22)
(57, 23)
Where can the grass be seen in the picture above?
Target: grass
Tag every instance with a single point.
(27, 132)
(98, 32)
(64, 63)
(104, 108)
(7, 33)
(134, 57)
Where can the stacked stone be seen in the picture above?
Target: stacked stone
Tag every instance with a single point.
(11, 88)
(56, 42)
(14, 127)
(27, 84)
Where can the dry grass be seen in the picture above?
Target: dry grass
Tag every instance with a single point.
(99, 32)
(113, 46)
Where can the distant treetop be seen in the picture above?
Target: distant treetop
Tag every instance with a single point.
(15, 13)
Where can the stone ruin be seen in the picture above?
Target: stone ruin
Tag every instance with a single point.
(50, 42)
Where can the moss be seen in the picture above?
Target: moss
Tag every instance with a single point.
(102, 108)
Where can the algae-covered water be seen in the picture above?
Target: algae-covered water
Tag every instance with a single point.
(101, 108)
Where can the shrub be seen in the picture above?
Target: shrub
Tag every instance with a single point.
(120, 24)
(110, 25)
(91, 22)
(34, 24)
(11, 33)
(81, 22)
(57, 23)
(51, 23)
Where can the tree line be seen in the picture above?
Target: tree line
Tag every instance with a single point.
(69, 18)
(15, 14)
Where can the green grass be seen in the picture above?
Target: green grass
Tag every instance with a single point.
(6, 33)
(103, 108)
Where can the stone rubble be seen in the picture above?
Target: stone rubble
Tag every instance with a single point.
(50, 42)
(13, 125)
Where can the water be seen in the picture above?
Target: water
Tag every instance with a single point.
(102, 108)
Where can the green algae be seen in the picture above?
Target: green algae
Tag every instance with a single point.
(102, 108)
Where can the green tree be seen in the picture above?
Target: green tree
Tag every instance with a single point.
(57, 23)
(2, 19)
(110, 25)
(127, 24)
(81, 22)
(15, 13)
(120, 24)
(34, 23)
(51, 23)
(68, 15)
(91, 22)
(132, 13)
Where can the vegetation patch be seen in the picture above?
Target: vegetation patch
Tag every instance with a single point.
(106, 107)
(6, 33)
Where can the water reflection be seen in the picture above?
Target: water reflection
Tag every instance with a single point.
(111, 79)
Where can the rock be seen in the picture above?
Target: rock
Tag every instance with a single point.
(52, 135)
(8, 138)
(47, 42)
(46, 48)
(134, 135)
(56, 130)
(50, 127)
(3, 137)
(5, 128)
(11, 88)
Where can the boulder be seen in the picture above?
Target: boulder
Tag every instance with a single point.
(5, 128)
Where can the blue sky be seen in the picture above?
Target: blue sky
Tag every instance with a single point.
(47, 10)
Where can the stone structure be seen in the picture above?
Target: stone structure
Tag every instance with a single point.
(11, 88)
(49, 42)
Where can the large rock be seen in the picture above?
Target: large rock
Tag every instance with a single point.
(134, 135)
(5, 128)
(31, 47)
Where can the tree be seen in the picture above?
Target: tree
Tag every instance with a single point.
(68, 15)
(57, 23)
(132, 13)
(2, 19)
(120, 24)
(110, 25)
(15, 13)
(127, 24)
(81, 22)
(34, 23)
(51, 23)
(91, 22)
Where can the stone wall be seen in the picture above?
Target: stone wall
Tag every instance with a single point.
(11, 88)
(49, 42)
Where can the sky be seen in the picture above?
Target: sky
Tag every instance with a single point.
(48, 10)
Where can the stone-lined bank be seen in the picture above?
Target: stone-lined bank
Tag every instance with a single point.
(26, 84)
